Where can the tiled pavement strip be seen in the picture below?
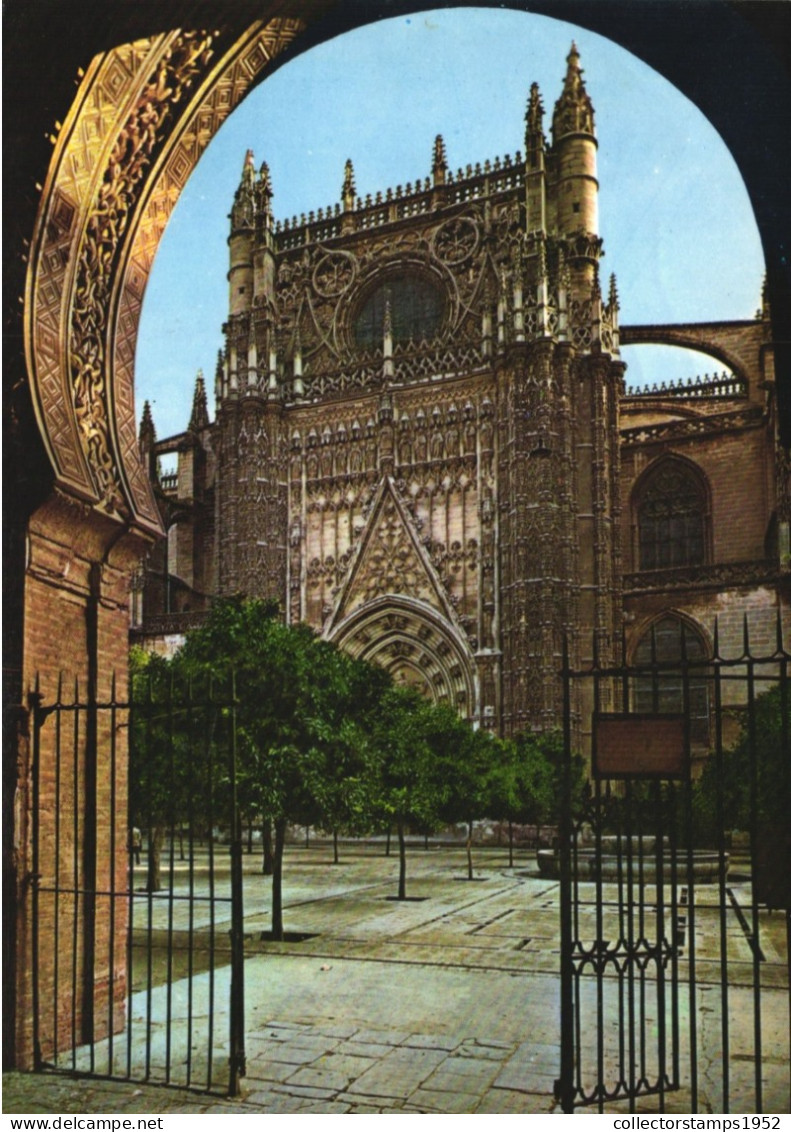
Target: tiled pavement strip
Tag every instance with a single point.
(445, 1004)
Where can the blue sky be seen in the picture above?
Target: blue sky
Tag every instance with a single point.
(674, 214)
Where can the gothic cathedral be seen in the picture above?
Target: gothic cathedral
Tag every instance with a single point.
(423, 445)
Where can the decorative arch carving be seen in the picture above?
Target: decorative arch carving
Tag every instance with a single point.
(412, 641)
(143, 115)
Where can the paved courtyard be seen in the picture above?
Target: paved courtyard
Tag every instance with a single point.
(445, 1003)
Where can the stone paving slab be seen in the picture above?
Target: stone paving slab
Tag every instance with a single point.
(449, 1004)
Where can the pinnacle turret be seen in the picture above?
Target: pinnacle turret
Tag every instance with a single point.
(200, 413)
(243, 211)
(439, 165)
(534, 118)
(574, 109)
(349, 189)
(147, 431)
(263, 187)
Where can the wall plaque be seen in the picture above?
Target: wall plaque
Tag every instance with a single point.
(640, 745)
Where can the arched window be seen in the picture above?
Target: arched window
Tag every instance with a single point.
(667, 641)
(671, 518)
(416, 311)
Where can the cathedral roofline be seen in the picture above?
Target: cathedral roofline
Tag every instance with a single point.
(404, 202)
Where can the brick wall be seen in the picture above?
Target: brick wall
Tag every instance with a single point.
(76, 638)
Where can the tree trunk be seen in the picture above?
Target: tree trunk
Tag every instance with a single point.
(269, 858)
(469, 850)
(250, 838)
(401, 862)
(156, 836)
(277, 880)
(335, 858)
(510, 844)
(387, 843)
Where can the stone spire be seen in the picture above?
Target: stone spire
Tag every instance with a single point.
(574, 109)
(534, 120)
(263, 196)
(148, 433)
(200, 412)
(147, 442)
(243, 210)
(439, 165)
(348, 192)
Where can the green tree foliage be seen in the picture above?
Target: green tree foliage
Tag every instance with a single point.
(757, 767)
(299, 702)
(464, 764)
(170, 773)
(527, 782)
(403, 788)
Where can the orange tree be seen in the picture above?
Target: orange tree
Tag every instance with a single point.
(297, 698)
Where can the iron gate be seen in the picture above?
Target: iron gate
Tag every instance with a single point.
(674, 926)
(137, 917)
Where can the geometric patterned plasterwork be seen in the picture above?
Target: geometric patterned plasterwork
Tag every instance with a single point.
(103, 154)
(142, 131)
(232, 76)
(135, 105)
(77, 164)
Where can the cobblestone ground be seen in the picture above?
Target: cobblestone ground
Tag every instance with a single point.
(446, 1003)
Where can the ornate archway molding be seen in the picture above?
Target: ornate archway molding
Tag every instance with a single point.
(417, 645)
(143, 115)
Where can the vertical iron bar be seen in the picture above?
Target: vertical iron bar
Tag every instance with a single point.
(642, 933)
(722, 871)
(752, 747)
(90, 822)
(133, 757)
(210, 763)
(600, 950)
(237, 1059)
(172, 809)
(35, 703)
(620, 946)
(691, 898)
(630, 968)
(56, 925)
(152, 838)
(75, 872)
(111, 957)
(660, 943)
(675, 928)
(566, 1090)
(190, 788)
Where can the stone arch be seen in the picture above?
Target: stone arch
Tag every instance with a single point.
(660, 640)
(143, 114)
(641, 631)
(156, 95)
(417, 645)
(737, 345)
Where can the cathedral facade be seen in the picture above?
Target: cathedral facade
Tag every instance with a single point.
(423, 445)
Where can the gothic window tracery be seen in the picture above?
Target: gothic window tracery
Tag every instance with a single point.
(416, 311)
(672, 640)
(671, 518)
